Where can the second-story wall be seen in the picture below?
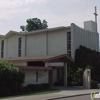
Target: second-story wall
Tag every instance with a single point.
(83, 37)
(46, 43)
(11, 46)
(35, 44)
(57, 42)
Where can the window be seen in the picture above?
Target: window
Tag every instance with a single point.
(69, 46)
(69, 35)
(35, 63)
(2, 48)
(69, 43)
(36, 76)
(19, 47)
(69, 52)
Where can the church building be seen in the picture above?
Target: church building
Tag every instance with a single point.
(43, 55)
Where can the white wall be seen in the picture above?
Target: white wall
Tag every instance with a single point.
(44, 43)
(11, 46)
(50, 43)
(36, 44)
(90, 25)
(83, 37)
(57, 42)
(30, 77)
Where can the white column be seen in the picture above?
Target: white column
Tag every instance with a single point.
(46, 73)
(87, 79)
(65, 73)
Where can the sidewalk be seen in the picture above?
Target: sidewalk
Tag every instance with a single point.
(66, 92)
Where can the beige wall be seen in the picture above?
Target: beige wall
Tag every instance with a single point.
(57, 42)
(11, 46)
(36, 44)
(49, 42)
(30, 77)
(83, 37)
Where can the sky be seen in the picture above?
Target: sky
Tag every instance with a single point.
(14, 13)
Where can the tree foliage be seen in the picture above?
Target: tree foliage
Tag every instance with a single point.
(87, 57)
(75, 75)
(11, 79)
(84, 58)
(34, 24)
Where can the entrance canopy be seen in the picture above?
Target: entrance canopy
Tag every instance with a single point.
(60, 58)
(55, 58)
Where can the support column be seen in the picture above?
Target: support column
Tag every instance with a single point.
(65, 73)
(46, 73)
(87, 79)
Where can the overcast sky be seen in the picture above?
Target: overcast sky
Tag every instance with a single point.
(13, 13)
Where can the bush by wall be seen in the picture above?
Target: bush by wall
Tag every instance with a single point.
(36, 87)
(94, 84)
(11, 79)
(85, 56)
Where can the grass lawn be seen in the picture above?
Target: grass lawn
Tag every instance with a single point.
(34, 93)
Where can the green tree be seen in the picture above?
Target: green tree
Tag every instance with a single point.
(11, 79)
(34, 24)
(84, 57)
(74, 75)
(78, 77)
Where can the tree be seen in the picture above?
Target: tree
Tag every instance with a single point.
(84, 57)
(11, 79)
(78, 77)
(74, 75)
(34, 24)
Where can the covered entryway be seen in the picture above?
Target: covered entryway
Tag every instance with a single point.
(59, 70)
(50, 72)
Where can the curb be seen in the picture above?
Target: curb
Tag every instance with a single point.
(68, 96)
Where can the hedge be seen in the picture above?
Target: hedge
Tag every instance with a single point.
(36, 87)
(11, 79)
(94, 84)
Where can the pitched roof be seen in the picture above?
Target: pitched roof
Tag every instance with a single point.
(47, 58)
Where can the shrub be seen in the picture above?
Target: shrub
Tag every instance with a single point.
(26, 90)
(94, 84)
(59, 83)
(37, 87)
(46, 86)
(11, 79)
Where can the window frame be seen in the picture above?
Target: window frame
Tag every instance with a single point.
(2, 48)
(19, 46)
(69, 43)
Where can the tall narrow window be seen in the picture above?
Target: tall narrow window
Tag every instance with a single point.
(37, 76)
(19, 47)
(69, 43)
(2, 48)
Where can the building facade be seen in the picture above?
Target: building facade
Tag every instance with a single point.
(32, 51)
